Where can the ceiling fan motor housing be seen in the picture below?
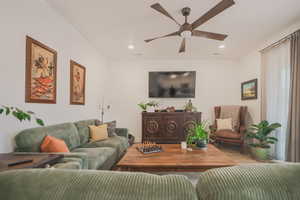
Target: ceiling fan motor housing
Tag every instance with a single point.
(186, 11)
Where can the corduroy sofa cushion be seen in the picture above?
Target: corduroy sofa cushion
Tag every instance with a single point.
(98, 157)
(118, 142)
(57, 184)
(29, 140)
(251, 182)
(83, 129)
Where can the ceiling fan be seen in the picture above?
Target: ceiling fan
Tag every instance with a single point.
(188, 30)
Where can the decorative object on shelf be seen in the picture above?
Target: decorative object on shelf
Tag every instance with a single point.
(103, 109)
(183, 145)
(151, 104)
(260, 148)
(189, 107)
(41, 66)
(249, 90)
(20, 114)
(198, 135)
(131, 139)
(149, 147)
(77, 83)
(171, 109)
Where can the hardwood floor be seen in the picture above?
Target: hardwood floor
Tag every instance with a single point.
(234, 153)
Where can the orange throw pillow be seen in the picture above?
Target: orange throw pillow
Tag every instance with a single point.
(54, 145)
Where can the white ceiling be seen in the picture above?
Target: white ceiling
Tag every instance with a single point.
(112, 25)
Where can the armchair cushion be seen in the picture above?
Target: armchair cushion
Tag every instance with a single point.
(228, 134)
(232, 112)
(224, 124)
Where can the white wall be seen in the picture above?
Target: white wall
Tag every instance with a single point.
(35, 18)
(250, 67)
(217, 83)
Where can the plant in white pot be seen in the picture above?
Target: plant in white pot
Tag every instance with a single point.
(260, 146)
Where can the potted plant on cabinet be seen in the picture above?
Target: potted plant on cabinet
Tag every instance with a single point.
(151, 104)
(262, 141)
(198, 135)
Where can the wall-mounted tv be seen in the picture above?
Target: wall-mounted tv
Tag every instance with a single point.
(177, 84)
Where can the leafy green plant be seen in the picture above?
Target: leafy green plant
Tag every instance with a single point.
(144, 106)
(261, 132)
(199, 131)
(152, 103)
(20, 114)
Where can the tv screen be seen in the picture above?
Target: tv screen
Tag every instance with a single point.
(179, 84)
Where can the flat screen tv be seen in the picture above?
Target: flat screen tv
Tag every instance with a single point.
(177, 84)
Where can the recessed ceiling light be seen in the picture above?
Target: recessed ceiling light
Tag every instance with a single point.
(222, 46)
(131, 47)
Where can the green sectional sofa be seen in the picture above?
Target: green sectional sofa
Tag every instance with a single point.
(254, 182)
(84, 154)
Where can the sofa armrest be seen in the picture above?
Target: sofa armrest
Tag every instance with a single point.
(82, 156)
(123, 132)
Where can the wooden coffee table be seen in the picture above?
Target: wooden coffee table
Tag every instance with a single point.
(34, 160)
(174, 159)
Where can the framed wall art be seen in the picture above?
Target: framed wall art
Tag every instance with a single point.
(41, 67)
(77, 77)
(249, 90)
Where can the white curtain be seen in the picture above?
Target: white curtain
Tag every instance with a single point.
(276, 86)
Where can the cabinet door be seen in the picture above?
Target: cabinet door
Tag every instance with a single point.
(152, 128)
(172, 128)
(189, 121)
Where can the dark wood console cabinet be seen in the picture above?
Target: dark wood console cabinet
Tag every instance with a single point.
(167, 127)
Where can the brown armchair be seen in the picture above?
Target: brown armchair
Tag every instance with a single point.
(235, 136)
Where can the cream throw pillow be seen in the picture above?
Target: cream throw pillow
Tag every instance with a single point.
(98, 132)
(224, 124)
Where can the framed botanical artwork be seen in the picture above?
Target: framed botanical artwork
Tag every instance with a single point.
(41, 67)
(77, 91)
(249, 90)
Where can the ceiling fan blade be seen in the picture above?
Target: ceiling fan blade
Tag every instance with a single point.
(209, 35)
(182, 46)
(223, 5)
(160, 9)
(169, 35)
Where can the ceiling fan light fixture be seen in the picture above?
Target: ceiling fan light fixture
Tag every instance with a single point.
(186, 34)
(131, 47)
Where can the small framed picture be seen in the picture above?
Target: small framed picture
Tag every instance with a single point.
(249, 90)
(77, 90)
(41, 66)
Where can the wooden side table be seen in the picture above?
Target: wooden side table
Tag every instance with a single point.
(10, 161)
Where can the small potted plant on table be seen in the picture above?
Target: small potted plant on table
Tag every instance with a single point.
(262, 141)
(198, 135)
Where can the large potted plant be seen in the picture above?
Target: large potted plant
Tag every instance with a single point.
(198, 135)
(262, 141)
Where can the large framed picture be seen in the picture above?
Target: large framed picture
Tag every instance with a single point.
(249, 90)
(41, 67)
(77, 91)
